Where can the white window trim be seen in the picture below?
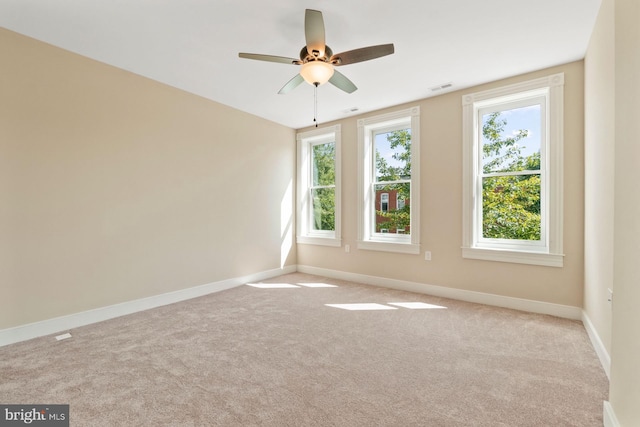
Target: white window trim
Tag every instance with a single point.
(402, 243)
(305, 234)
(551, 254)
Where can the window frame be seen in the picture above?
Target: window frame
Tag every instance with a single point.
(368, 239)
(548, 251)
(305, 234)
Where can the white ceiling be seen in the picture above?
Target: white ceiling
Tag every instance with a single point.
(193, 45)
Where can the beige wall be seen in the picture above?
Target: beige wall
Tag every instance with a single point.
(612, 200)
(441, 208)
(114, 187)
(625, 352)
(599, 171)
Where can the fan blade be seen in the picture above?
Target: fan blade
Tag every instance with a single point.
(341, 82)
(362, 54)
(314, 32)
(291, 84)
(268, 58)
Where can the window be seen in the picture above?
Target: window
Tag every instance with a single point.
(399, 203)
(384, 202)
(319, 187)
(512, 196)
(389, 182)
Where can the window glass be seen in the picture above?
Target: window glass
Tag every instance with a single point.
(392, 181)
(511, 207)
(318, 187)
(393, 155)
(323, 186)
(323, 164)
(510, 138)
(323, 211)
(511, 141)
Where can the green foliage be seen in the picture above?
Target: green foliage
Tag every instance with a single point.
(323, 174)
(510, 204)
(394, 220)
(402, 139)
(324, 212)
(511, 207)
(502, 153)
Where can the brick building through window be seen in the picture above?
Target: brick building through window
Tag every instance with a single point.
(392, 212)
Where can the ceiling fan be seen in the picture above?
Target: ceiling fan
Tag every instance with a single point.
(317, 59)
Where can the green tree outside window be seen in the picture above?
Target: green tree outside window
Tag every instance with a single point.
(511, 183)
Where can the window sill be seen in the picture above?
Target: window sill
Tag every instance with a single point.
(322, 241)
(405, 248)
(519, 257)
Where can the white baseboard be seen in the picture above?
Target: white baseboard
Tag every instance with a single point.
(609, 416)
(65, 323)
(598, 346)
(565, 311)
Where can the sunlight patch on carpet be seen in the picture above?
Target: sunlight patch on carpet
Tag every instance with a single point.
(272, 285)
(317, 285)
(362, 306)
(416, 305)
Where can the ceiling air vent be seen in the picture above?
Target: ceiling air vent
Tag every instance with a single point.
(441, 87)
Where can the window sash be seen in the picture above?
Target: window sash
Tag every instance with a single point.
(374, 210)
(499, 105)
(527, 99)
(531, 244)
(313, 221)
(515, 173)
(375, 182)
(313, 163)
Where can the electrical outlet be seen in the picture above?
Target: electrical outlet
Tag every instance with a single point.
(427, 256)
(347, 248)
(610, 295)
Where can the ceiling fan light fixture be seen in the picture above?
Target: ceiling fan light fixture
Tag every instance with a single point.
(317, 59)
(316, 72)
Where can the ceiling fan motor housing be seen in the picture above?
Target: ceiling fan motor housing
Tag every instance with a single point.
(305, 56)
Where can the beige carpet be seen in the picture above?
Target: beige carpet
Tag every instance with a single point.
(282, 357)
